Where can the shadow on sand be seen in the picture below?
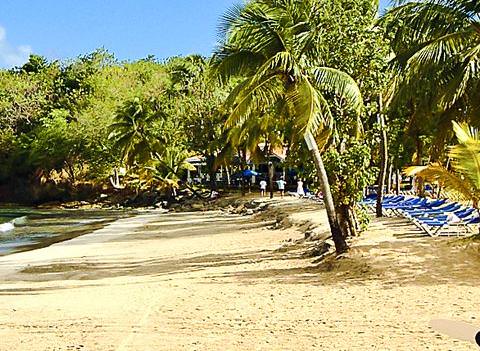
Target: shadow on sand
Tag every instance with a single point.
(407, 260)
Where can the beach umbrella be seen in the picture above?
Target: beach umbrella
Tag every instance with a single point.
(249, 173)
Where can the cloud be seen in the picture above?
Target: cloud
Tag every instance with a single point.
(11, 56)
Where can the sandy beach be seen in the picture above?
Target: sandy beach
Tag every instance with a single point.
(212, 281)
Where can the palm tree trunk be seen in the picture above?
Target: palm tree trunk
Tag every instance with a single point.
(398, 183)
(383, 158)
(227, 170)
(420, 184)
(212, 171)
(337, 235)
(389, 178)
(270, 178)
(243, 168)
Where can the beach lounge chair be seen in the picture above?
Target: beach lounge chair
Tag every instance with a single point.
(456, 223)
(430, 211)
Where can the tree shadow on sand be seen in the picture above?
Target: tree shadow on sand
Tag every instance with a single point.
(397, 262)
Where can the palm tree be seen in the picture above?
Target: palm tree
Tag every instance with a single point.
(130, 133)
(437, 52)
(436, 61)
(464, 176)
(272, 47)
(166, 169)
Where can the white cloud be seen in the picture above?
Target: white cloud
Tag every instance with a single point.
(11, 56)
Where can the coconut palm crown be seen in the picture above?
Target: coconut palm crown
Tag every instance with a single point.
(436, 44)
(274, 48)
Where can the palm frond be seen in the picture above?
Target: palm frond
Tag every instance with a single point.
(255, 98)
(440, 50)
(233, 63)
(463, 75)
(435, 173)
(466, 154)
(310, 109)
(340, 83)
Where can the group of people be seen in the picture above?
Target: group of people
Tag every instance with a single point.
(281, 187)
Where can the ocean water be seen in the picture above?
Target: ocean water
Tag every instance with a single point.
(23, 229)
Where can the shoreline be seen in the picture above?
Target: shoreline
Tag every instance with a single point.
(145, 283)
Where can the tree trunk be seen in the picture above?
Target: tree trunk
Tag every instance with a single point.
(356, 223)
(383, 159)
(398, 184)
(389, 179)
(337, 235)
(270, 178)
(227, 170)
(346, 220)
(243, 167)
(212, 171)
(420, 183)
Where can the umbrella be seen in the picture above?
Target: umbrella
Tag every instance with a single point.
(249, 173)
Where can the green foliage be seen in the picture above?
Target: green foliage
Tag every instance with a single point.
(167, 168)
(55, 118)
(363, 217)
(464, 176)
(435, 61)
(284, 68)
(277, 47)
(349, 172)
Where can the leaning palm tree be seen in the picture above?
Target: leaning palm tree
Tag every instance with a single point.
(464, 176)
(272, 46)
(436, 44)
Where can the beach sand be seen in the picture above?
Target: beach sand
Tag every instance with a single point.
(207, 281)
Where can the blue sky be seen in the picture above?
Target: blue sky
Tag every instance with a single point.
(131, 29)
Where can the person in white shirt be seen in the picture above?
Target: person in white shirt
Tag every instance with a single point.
(281, 186)
(263, 187)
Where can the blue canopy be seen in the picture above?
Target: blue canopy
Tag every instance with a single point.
(249, 173)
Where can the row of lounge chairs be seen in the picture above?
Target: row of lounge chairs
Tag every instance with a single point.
(433, 216)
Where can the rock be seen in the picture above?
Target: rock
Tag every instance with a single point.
(251, 205)
(249, 211)
(318, 250)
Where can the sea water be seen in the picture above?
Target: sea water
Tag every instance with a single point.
(23, 229)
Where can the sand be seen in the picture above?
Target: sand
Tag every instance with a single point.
(207, 281)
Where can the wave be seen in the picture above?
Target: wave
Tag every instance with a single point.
(8, 226)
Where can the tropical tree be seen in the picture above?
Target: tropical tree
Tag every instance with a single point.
(273, 45)
(437, 48)
(463, 174)
(197, 101)
(165, 170)
(131, 131)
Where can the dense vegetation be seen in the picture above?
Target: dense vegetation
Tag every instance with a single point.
(351, 98)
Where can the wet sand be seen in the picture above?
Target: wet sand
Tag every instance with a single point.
(206, 281)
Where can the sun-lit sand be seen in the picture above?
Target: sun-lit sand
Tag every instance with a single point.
(207, 281)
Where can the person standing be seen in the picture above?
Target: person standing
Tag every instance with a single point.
(300, 190)
(263, 187)
(281, 186)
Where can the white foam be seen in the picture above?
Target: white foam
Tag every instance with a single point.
(6, 227)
